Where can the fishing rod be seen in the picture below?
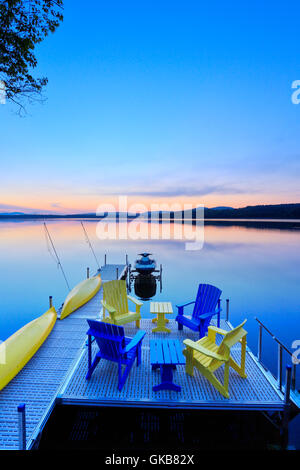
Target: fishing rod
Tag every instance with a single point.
(59, 265)
(90, 245)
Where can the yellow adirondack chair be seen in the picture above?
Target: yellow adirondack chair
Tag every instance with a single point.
(115, 301)
(207, 356)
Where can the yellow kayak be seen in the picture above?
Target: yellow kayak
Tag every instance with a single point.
(19, 348)
(80, 295)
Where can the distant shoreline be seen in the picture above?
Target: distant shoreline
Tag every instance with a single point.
(278, 212)
(88, 217)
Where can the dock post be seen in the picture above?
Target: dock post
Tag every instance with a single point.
(50, 301)
(227, 309)
(279, 366)
(129, 278)
(287, 385)
(259, 343)
(219, 314)
(286, 412)
(89, 351)
(87, 273)
(117, 273)
(105, 259)
(294, 376)
(22, 427)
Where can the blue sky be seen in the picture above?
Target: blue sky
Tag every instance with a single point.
(160, 101)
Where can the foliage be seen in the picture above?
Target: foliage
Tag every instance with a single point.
(23, 25)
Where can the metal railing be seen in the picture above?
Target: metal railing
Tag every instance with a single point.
(22, 426)
(227, 310)
(280, 348)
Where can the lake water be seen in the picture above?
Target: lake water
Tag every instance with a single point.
(256, 265)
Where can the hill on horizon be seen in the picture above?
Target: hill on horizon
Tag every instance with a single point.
(267, 211)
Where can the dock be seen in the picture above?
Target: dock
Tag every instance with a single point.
(38, 384)
(56, 374)
(255, 392)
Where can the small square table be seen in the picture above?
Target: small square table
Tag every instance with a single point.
(160, 309)
(166, 354)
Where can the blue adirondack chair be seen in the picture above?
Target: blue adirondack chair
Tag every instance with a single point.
(206, 305)
(113, 346)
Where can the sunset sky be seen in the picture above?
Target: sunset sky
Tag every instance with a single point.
(161, 102)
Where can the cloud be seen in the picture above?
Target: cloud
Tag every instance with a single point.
(176, 191)
(11, 207)
(188, 191)
(26, 210)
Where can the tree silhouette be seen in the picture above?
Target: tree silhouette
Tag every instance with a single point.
(24, 24)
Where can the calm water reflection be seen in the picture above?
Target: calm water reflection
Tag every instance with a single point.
(257, 268)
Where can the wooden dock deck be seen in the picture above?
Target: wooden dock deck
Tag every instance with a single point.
(255, 392)
(56, 374)
(39, 382)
